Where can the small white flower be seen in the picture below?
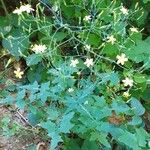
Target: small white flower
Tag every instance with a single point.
(26, 8)
(74, 63)
(87, 47)
(111, 39)
(38, 48)
(127, 82)
(126, 94)
(133, 29)
(124, 10)
(86, 102)
(87, 18)
(7, 28)
(121, 59)
(17, 11)
(70, 90)
(89, 62)
(79, 73)
(55, 8)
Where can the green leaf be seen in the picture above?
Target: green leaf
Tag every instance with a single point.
(146, 95)
(112, 77)
(5, 26)
(137, 106)
(110, 50)
(101, 137)
(34, 119)
(59, 36)
(56, 138)
(136, 120)
(89, 145)
(139, 78)
(49, 126)
(17, 44)
(44, 92)
(93, 39)
(33, 59)
(65, 124)
(130, 140)
(142, 137)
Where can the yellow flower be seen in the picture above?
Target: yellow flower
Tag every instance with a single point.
(126, 94)
(121, 59)
(18, 73)
(127, 82)
(111, 39)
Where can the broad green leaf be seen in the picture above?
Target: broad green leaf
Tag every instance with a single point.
(139, 78)
(137, 106)
(110, 50)
(17, 43)
(5, 26)
(34, 119)
(44, 92)
(101, 137)
(142, 137)
(72, 143)
(56, 138)
(49, 126)
(130, 140)
(112, 77)
(65, 124)
(33, 59)
(59, 36)
(146, 95)
(89, 145)
(136, 120)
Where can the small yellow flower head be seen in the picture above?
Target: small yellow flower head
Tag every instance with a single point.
(89, 62)
(133, 29)
(127, 82)
(18, 73)
(38, 48)
(70, 90)
(124, 10)
(74, 63)
(87, 18)
(111, 39)
(126, 94)
(121, 59)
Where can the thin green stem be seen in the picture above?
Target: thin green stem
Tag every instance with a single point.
(4, 7)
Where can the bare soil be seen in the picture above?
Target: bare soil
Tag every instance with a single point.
(20, 141)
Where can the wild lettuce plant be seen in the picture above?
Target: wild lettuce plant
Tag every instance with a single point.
(86, 72)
